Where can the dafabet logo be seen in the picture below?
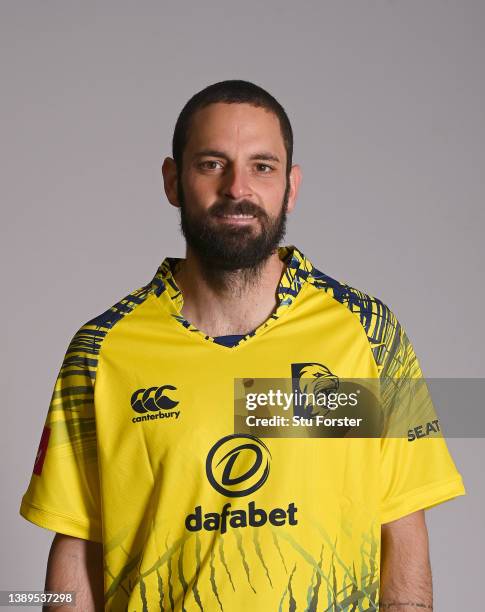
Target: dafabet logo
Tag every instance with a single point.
(237, 465)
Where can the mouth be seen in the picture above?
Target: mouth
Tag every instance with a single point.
(236, 218)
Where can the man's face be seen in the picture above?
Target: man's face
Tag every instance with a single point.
(233, 190)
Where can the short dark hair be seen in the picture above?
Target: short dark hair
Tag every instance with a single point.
(230, 92)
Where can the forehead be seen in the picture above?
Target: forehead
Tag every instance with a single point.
(226, 126)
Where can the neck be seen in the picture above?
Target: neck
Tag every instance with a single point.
(222, 302)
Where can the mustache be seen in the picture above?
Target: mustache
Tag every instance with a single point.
(244, 207)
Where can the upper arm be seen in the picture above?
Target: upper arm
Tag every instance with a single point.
(405, 564)
(407, 528)
(404, 547)
(63, 493)
(417, 472)
(76, 565)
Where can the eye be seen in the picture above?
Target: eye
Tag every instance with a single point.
(209, 164)
(264, 168)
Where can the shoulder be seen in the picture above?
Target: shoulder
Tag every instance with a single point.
(85, 345)
(379, 322)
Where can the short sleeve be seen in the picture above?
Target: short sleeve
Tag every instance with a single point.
(417, 470)
(63, 493)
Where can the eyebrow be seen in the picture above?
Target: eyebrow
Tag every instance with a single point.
(264, 155)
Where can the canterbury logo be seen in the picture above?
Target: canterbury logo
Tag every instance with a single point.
(153, 399)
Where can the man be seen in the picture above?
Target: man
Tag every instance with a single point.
(158, 502)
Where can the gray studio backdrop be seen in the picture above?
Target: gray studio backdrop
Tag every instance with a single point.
(387, 104)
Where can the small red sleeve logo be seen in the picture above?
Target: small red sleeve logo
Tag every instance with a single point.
(41, 453)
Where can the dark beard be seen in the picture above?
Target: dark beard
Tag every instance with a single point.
(233, 248)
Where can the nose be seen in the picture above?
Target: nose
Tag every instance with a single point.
(236, 184)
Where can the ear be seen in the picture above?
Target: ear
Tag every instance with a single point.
(169, 172)
(295, 180)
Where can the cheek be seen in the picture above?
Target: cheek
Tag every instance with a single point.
(271, 195)
(199, 189)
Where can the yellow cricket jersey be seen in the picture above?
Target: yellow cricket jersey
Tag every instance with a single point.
(139, 453)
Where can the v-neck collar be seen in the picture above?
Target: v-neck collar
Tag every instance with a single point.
(297, 270)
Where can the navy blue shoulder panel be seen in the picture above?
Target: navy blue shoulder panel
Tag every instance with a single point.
(390, 347)
(83, 350)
